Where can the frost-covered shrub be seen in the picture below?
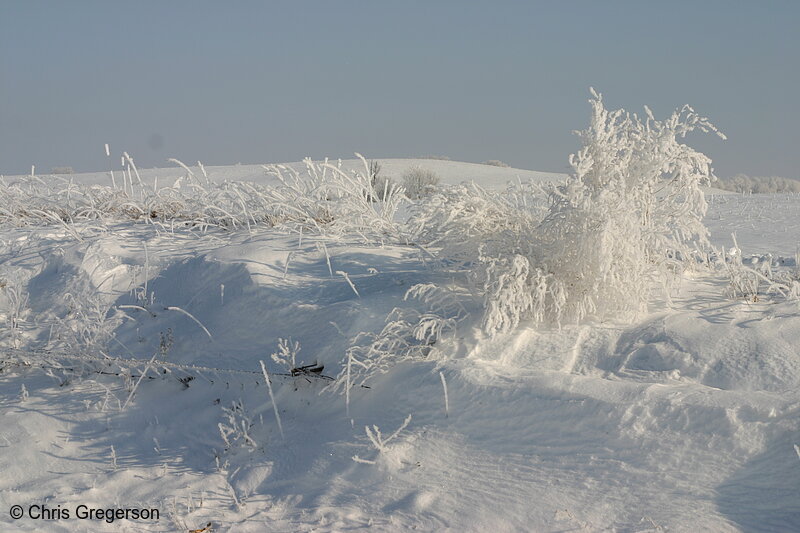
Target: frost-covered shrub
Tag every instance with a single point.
(496, 163)
(61, 170)
(632, 208)
(759, 184)
(623, 223)
(419, 182)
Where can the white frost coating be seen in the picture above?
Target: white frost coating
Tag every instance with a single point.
(132, 165)
(349, 281)
(139, 381)
(187, 313)
(287, 354)
(272, 398)
(289, 257)
(446, 401)
(321, 246)
(203, 170)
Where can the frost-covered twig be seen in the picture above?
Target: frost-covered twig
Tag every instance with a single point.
(237, 429)
(378, 441)
(287, 354)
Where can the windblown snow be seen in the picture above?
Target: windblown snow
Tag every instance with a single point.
(131, 377)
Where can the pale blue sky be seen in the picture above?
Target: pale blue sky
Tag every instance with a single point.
(252, 82)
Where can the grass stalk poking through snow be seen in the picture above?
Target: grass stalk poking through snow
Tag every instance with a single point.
(272, 397)
(446, 400)
(187, 313)
(349, 281)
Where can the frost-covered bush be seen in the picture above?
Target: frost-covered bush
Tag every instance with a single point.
(61, 170)
(631, 210)
(624, 222)
(496, 163)
(419, 182)
(759, 184)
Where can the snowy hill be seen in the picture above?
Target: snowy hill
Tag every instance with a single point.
(132, 352)
(449, 172)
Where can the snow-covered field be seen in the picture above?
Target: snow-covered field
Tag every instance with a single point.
(131, 378)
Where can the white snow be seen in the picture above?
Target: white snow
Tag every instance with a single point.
(685, 420)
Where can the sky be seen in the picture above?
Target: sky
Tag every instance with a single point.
(272, 81)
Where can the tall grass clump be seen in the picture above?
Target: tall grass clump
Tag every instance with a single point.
(381, 184)
(410, 334)
(757, 278)
(328, 199)
(323, 198)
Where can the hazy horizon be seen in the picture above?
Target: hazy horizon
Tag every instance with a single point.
(255, 82)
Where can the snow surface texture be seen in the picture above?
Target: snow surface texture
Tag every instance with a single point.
(684, 420)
